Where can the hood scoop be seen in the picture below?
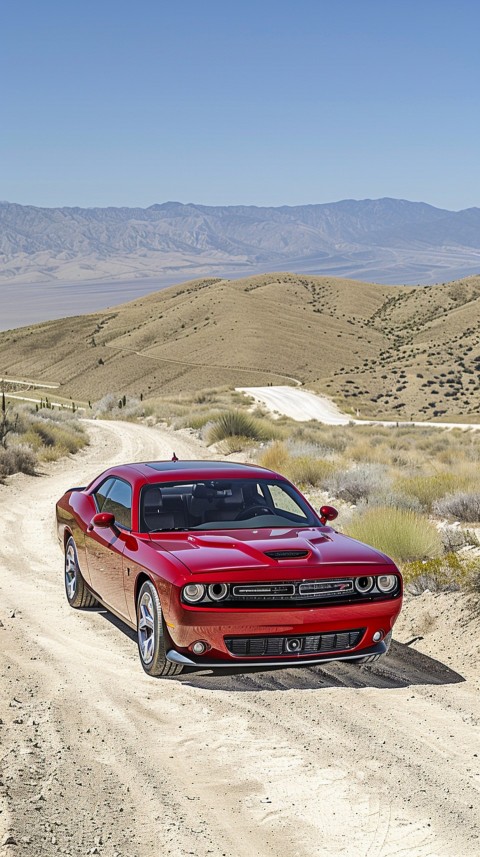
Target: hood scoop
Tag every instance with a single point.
(287, 554)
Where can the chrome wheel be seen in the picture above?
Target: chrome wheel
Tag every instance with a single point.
(152, 635)
(76, 590)
(70, 572)
(146, 628)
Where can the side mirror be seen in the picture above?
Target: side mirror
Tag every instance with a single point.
(103, 520)
(328, 513)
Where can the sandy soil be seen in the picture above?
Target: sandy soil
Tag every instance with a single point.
(99, 759)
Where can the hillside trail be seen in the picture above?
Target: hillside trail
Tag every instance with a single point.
(98, 758)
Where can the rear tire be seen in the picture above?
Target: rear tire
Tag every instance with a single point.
(151, 634)
(76, 590)
(370, 659)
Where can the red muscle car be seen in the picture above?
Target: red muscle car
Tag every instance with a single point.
(219, 564)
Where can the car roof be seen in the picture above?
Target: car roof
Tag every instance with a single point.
(172, 471)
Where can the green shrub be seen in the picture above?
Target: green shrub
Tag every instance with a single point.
(404, 535)
(240, 424)
(448, 572)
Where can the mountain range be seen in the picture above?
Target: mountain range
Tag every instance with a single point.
(386, 240)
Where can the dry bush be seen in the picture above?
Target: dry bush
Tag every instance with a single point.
(111, 407)
(429, 488)
(301, 469)
(404, 535)
(448, 572)
(462, 506)
(17, 459)
(357, 483)
(275, 457)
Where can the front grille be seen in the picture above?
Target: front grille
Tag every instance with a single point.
(298, 590)
(305, 644)
(284, 554)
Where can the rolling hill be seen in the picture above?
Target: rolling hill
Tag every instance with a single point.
(386, 240)
(378, 350)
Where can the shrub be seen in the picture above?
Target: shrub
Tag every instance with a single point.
(301, 469)
(427, 489)
(17, 459)
(404, 535)
(307, 470)
(240, 424)
(447, 572)
(357, 483)
(461, 506)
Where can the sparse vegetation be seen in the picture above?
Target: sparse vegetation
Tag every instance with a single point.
(37, 435)
(239, 424)
(404, 535)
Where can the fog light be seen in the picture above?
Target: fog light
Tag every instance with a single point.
(377, 636)
(199, 647)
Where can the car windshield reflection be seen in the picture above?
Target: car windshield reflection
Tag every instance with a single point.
(221, 504)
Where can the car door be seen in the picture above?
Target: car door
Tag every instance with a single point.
(105, 546)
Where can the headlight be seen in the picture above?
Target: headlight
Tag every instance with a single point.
(364, 584)
(193, 592)
(386, 582)
(217, 591)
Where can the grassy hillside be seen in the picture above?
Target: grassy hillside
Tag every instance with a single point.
(382, 350)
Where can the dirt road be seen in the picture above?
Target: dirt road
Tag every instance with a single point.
(99, 759)
(303, 405)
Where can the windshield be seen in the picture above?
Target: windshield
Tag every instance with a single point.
(222, 504)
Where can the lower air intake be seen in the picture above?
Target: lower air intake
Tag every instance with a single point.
(306, 644)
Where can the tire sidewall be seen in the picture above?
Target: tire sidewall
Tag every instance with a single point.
(157, 665)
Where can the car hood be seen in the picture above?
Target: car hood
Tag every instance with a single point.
(236, 549)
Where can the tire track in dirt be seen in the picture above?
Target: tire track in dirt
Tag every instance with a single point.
(98, 758)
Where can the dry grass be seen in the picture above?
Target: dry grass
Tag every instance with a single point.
(404, 535)
(393, 351)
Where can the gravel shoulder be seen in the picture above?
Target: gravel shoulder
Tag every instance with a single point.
(99, 759)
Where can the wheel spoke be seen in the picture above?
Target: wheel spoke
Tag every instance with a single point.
(146, 628)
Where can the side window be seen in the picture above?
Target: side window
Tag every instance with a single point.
(119, 502)
(102, 493)
(285, 503)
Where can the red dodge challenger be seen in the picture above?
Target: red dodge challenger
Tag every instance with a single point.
(219, 564)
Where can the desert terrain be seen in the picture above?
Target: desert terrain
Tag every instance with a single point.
(97, 758)
(378, 351)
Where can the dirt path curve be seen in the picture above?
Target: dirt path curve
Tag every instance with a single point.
(303, 405)
(96, 758)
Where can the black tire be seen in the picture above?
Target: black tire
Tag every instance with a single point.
(370, 659)
(76, 590)
(151, 634)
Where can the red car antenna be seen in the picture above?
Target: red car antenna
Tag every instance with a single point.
(174, 457)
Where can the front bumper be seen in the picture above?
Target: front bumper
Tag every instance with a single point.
(215, 626)
(295, 661)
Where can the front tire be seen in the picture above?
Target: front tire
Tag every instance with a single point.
(76, 590)
(151, 634)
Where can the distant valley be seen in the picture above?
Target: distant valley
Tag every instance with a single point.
(387, 240)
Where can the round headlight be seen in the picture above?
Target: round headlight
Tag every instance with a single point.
(364, 584)
(386, 582)
(217, 591)
(193, 592)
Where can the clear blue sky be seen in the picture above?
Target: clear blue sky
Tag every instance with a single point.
(266, 102)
